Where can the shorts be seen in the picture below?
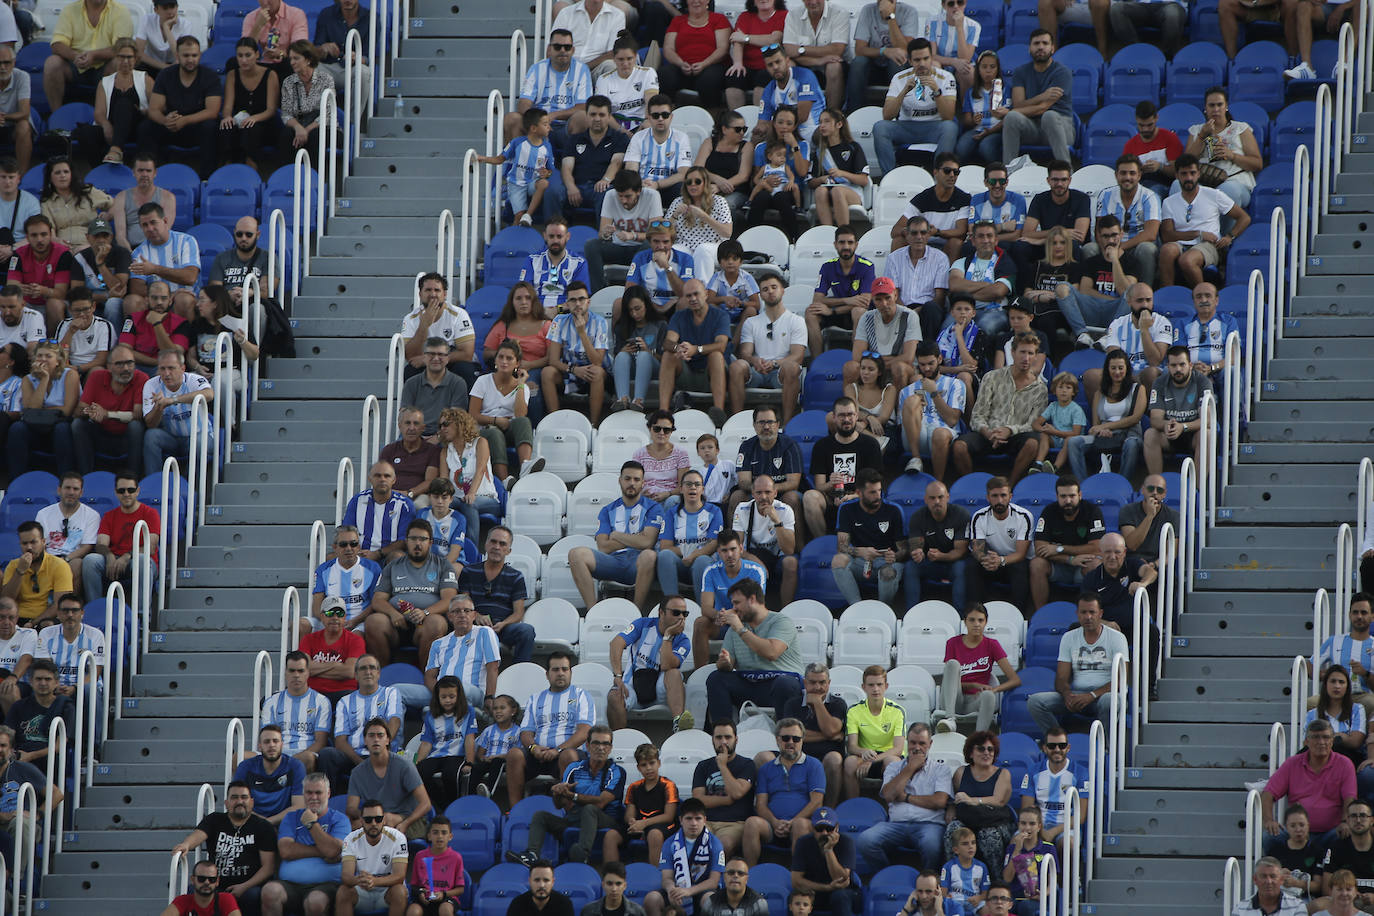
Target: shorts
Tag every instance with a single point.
(620, 566)
(728, 832)
(660, 693)
(428, 907)
(660, 829)
(978, 444)
(768, 558)
(1210, 256)
(1065, 575)
(757, 379)
(1077, 13)
(690, 379)
(88, 79)
(1185, 444)
(752, 79)
(928, 430)
(371, 901)
(296, 894)
(535, 767)
(518, 196)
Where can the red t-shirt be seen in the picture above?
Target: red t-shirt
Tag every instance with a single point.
(25, 267)
(975, 665)
(186, 906)
(119, 525)
(142, 336)
(99, 390)
(350, 646)
(751, 24)
(1166, 140)
(696, 44)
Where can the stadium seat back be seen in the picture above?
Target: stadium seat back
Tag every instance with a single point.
(858, 814)
(865, 634)
(1106, 133)
(1256, 75)
(970, 491)
(1195, 69)
(564, 440)
(807, 428)
(508, 253)
(476, 831)
(814, 578)
(1108, 489)
(1084, 61)
(184, 184)
(888, 890)
(231, 192)
(1292, 128)
(1134, 73)
(922, 642)
(1035, 491)
(1178, 117)
(1046, 627)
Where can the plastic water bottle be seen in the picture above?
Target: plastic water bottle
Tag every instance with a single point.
(400, 109)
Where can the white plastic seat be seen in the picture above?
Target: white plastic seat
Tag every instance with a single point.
(688, 425)
(558, 580)
(1008, 627)
(865, 634)
(695, 117)
(888, 204)
(861, 127)
(913, 689)
(846, 682)
(526, 556)
(602, 622)
(813, 248)
(1029, 180)
(696, 698)
(682, 751)
(815, 625)
(621, 421)
(876, 243)
(948, 748)
(588, 498)
(922, 642)
(769, 240)
(754, 741)
(564, 440)
(1092, 180)
(614, 447)
(596, 680)
(739, 427)
(603, 302)
(536, 506)
(522, 681)
(934, 610)
(623, 744)
(970, 179)
(555, 624)
(797, 297)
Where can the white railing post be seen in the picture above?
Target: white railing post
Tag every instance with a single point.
(1207, 473)
(1170, 600)
(1049, 887)
(378, 71)
(178, 875)
(1120, 686)
(353, 99)
(56, 776)
(1347, 567)
(1073, 839)
(1365, 485)
(395, 379)
(1278, 264)
(1299, 688)
(233, 750)
(1254, 837)
(277, 236)
(90, 709)
(1140, 680)
(116, 612)
(327, 160)
(1303, 191)
(343, 488)
(468, 220)
(1322, 628)
(372, 432)
(1232, 885)
(491, 211)
(1255, 337)
(519, 63)
(251, 298)
(197, 466)
(1097, 799)
(290, 626)
(169, 531)
(224, 404)
(1234, 380)
(25, 846)
(1188, 515)
(262, 685)
(303, 181)
(1278, 753)
(319, 549)
(445, 247)
(141, 588)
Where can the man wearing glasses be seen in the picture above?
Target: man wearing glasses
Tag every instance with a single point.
(310, 843)
(1322, 782)
(658, 646)
(772, 347)
(332, 652)
(735, 897)
(1005, 209)
(15, 128)
(770, 453)
(1141, 522)
(232, 266)
(920, 277)
(823, 862)
(349, 577)
(836, 462)
(206, 897)
(241, 842)
(590, 796)
(374, 863)
(112, 559)
(889, 331)
(920, 107)
(791, 787)
(411, 596)
(1045, 788)
(578, 342)
(108, 415)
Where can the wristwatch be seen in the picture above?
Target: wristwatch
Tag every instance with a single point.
(801, 49)
(891, 17)
(1058, 548)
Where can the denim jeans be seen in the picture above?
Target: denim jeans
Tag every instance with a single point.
(888, 135)
(671, 568)
(158, 444)
(58, 438)
(956, 573)
(1080, 449)
(1048, 710)
(849, 577)
(641, 366)
(88, 435)
(874, 844)
(988, 149)
(1082, 309)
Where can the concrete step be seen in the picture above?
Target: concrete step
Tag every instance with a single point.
(233, 703)
(1338, 453)
(1129, 897)
(1323, 286)
(1268, 646)
(1359, 325)
(382, 327)
(155, 774)
(344, 388)
(339, 310)
(77, 906)
(266, 453)
(436, 83)
(1348, 264)
(1308, 305)
(1173, 690)
(206, 731)
(158, 841)
(1172, 778)
(1303, 557)
(394, 205)
(326, 433)
(217, 575)
(1185, 844)
(245, 641)
(1324, 411)
(352, 225)
(265, 515)
(411, 241)
(1258, 710)
(288, 536)
(275, 411)
(201, 663)
(1251, 473)
(1319, 492)
(364, 350)
(345, 266)
(1222, 667)
(1290, 579)
(439, 19)
(1192, 755)
(1331, 241)
(361, 288)
(1172, 822)
(243, 494)
(1353, 429)
(193, 686)
(192, 597)
(202, 557)
(236, 619)
(1240, 537)
(1195, 623)
(104, 887)
(296, 472)
(1348, 346)
(166, 815)
(146, 862)
(1236, 604)
(164, 752)
(1281, 516)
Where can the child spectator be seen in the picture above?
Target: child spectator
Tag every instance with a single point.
(1301, 855)
(731, 287)
(492, 745)
(719, 473)
(1023, 865)
(650, 809)
(775, 189)
(1059, 421)
(526, 167)
(450, 528)
(436, 873)
(963, 347)
(965, 878)
(448, 743)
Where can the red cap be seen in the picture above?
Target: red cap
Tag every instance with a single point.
(884, 285)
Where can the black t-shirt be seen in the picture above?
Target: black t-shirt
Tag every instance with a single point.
(1048, 276)
(707, 776)
(237, 850)
(882, 529)
(1115, 591)
(559, 905)
(648, 802)
(1086, 526)
(808, 859)
(1133, 516)
(31, 721)
(187, 100)
(118, 261)
(840, 461)
(591, 160)
(1343, 854)
(797, 708)
(1099, 270)
(942, 533)
(1049, 213)
(931, 206)
(1305, 862)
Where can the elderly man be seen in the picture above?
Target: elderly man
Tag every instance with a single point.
(499, 593)
(1205, 335)
(888, 329)
(759, 661)
(1009, 399)
(1116, 579)
(769, 528)
(822, 715)
(470, 653)
(916, 790)
(1176, 412)
(167, 255)
(310, 843)
(1322, 781)
(167, 410)
(83, 46)
(437, 387)
(414, 459)
(1083, 677)
(594, 26)
(920, 272)
(784, 800)
(557, 723)
(694, 353)
(411, 596)
(1269, 898)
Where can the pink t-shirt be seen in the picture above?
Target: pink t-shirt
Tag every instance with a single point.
(1323, 793)
(660, 474)
(975, 665)
(446, 871)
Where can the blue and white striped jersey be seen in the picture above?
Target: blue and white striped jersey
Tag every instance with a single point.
(623, 519)
(645, 273)
(355, 709)
(656, 160)
(554, 90)
(552, 281)
(180, 250)
(1049, 791)
(496, 741)
(1145, 207)
(949, 387)
(449, 533)
(564, 332)
(446, 735)
(946, 40)
(1208, 344)
(298, 717)
(554, 716)
(689, 530)
(379, 523)
(645, 642)
(1013, 207)
(802, 87)
(176, 418)
(1123, 333)
(465, 656)
(65, 655)
(354, 585)
(524, 160)
(961, 883)
(1340, 650)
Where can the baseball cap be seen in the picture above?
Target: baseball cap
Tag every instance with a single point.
(883, 285)
(99, 227)
(825, 817)
(333, 604)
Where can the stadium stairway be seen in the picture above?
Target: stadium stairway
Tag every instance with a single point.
(282, 477)
(1182, 809)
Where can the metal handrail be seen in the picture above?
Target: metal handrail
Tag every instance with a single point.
(1278, 747)
(1303, 187)
(1321, 623)
(1279, 256)
(1207, 471)
(543, 22)
(395, 379)
(1170, 600)
(327, 160)
(141, 589)
(343, 488)
(116, 610)
(1049, 887)
(319, 550)
(1233, 396)
(253, 314)
(197, 464)
(57, 776)
(1299, 688)
(1188, 516)
(1255, 337)
(353, 98)
(1365, 485)
(234, 748)
(1117, 736)
(468, 226)
(224, 402)
(169, 531)
(25, 846)
(1254, 837)
(1347, 568)
(444, 249)
(178, 874)
(372, 432)
(1073, 866)
(90, 701)
(290, 625)
(1097, 800)
(262, 686)
(277, 236)
(1140, 633)
(491, 210)
(519, 63)
(303, 179)
(1232, 886)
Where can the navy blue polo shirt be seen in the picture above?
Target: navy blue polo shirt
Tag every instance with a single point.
(591, 161)
(496, 597)
(777, 462)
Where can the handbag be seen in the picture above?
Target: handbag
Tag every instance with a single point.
(40, 417)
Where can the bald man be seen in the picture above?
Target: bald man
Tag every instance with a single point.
(1115, 580)
(694, 353)
(380, 514)
(938, 539)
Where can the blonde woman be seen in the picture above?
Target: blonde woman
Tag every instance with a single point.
(465, 459)
(47, 398)
(701, 218)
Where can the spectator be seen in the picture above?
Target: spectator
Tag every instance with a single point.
(436, 875)
(981, 791)
(823, 715)
(1056, 273)
(1143, 336)
(691, 544)
(624, 225)
(938, 541)
(1322, 782)
(1301, 857)
(69, 206)
(310, 843)
(1157, 148)
(276, 26)
(769, 527)
(1346, 865)
(985, 106)
(1060, 422)
(47, 397)
(578, 341)
(168, 415)
(1170, 17)
(657, 649)
(794, 87)
(664, 463)
(374, 865)
(1192, 222)
(499, 405)
(240, 843)
(66, 641)
(112, 559)
(49, 577)
(353, 713)
(349, 577)
(594, 28)
(695, 50)
(768, 451)
(627, 533)
(694, 348)
(1041, 102)
(1083, 679)
(414, 460)
(1043, 790)
(928, 897)
(945, 206)
(920, 277)
(590, 791)
(541, 899)
(469, 654)
(816, 36)
(557, 723)
(22, 205)
(86, 337)
(31, 717)
(167, 255)
(21, 325)
(499, 593)
(758, 27)
(1142, 522)
(735, 897)
(875, 397)
(1176, 412)
(15, 107)
(206, 896)
(1100, 296)
(1137, 209)
(889, 330)
(184, 106)
(931, 408)
(1269, 896)
(724, 784)
(999, 539)
(772, 349)
(839, 169)
(651, 806)
(559, 85)
(962, 344)
(1117, 410)
(527, 167)
(715, 583)
(302, 713)
(128, 230)
(873, 732)
(969, 684)
(435, 317)
(437, 389)
(783, 806)
(662, 154)
(418, 575)
(843, 291)
(1006, 210)
(662, 270)
(274, 779)
(759, 661)
(301, 97)
(233, 266)
(824, 865)
(1347, 718)
(523, 321)
(1205, 336)
(1116, 579)
(553, 271)
(917, 790)
(1062, 206)
(42, 269)
(871, 541)
(881, 37)
(780, 169)
(388, 780)
(1010, 398)
(333, 651)
(17, 652)
(82, 45)
(837, 461)
(639, 340)
(332, 26)
(156, 328)
(217, 313)
(1067, 541)
(701, 218)
(600, 151)
(1228, 153)
(919, 107)
(987, 276)
(627, 85)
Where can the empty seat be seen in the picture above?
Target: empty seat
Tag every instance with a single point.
(1195, 69)
(564, 440)
(536, 506)
(1086, 64)
(231, 192)
(865, 634)
(558, 581)
(1256, 75)
(1106, 133)
(814, 578)
(1134, 73)
(555, 623)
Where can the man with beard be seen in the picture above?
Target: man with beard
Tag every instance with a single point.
(870, 542)
(843, 289)
(232, 266)
(31, 717)
(836, 462)
(1175, 412)
(938, 544)
(310, 843)
(725, 785)
(557, 723)
(759, 660)
(36, 579)
(772, 348)
(69, 525)
(43, 269)
(791, 787)
(715, 585)
(1354, 852)
(1044, 789)
(1041, 103)
(999, 537)
(1143, 335)
(183, 109)
(388, 780)
(241, 843)
(1137, 208)
(204, 898)
(434, 316)
(108, 415)
(275, 779)
(627, 533)
(411, 596)
(156, 327)
(19, 323)
(541, 899)
(1191, 225)
(374, 867)
(105, 267)
(888, 329)
(930, 421)
(1083, 676)
(1067, 539)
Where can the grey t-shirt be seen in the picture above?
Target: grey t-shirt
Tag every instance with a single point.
(229, 270)
(650, 206)
(1092, 664)
(1134, 516)
(17, 91)
(432, 399)
(1180, 404)
(873, 29)
(420, 585)
(774, 626)
(1035, 82)
(393, 789)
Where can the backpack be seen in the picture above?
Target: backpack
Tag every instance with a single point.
(277, 336)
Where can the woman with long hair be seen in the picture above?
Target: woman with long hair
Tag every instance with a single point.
(1057, 268)
(639, 334)
(213, 304)
(500, 404)
(448, 743)
(1116, 413)
(48, 396)
(1227, 146)
(771, 181)
(986, 103)
(838, 169)
(465, 459)
(702, 219)
(121, 103)
(1335, 704)
(70, 205)
(875, 396)
(301, 95)
(252, 93)
(760, 25)
(523, 321)
(629, 86)
(728, 157)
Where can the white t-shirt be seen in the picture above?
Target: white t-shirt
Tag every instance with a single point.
(1001, 533)
(1092, 664)
(627, 93)
(920, 103)
(764, 533)
(30, 329)
(494, 403)
(23, 642)
(650, 206)
(88, 344)
(81, 528)
(376, 860)
(150, 30)
(1203, 214)
(591, 37)
(453, 324)
(772, 339)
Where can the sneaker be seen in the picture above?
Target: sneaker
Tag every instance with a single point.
(1035, 468)
(1049, 467)
(943, 727)
(1084, 340)
(684, 722)
(525, 220)
(717, 415)
(577, 854)
(483, 791)
(509, 482)
(533, 466)
(678, 402)
(524, 857)
(1303, 71)
(915, 465)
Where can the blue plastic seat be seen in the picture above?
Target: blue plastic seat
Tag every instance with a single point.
(1022, 18)
(476, 829)
(484, 308)
(1106, 133)
(30, 59)
(279, 193)
(970, 491)
(1011, 56)
(98, 491)
(507, 254)
(218, 55)
(70, 116)
(578, 237)
(579, 881)
(888, 890)
(774, 882)
(1195, 69)
(1017, 748)
(111, 177)
(1080, 361)
(515, 830)
(640, 878)
(1135, 73)
(909, 492)
(1292, 128)
(1325, 54)
(1256, 75)
(989, 14)
(229, 18)
(1086, 64)
(1015, 716)
(807, 428)
(1203, 24)
(500, 885)
(184, 184)
(231, 193)
(1174, 302)
(1044, 630)
(32, 180)
(1273, 188)
(212, 239)
(858, 814)
(1256, 117)
(1178, 117)
(1250, 252)
(1108, 489)
(1235, 300)
(824, 380)
(27, 493)
(1035, 491)
(814, 579)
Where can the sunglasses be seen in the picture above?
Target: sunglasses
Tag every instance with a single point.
(740, 128)
(986, 748)
(205, 879)
(769, 49)
(736, 873)
(334, 612)
(660, 115)
(996, 182)
(823, 828)
(677, 613)
(1148, 488)
(693, 181)
(349, 543)
(1056, 745)
(243, 235)
(124, 491)
(373, 818)
(561, 46)
(872, 354)
(660, 224)
(949, 171)
(789, 738)
(664, 429)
